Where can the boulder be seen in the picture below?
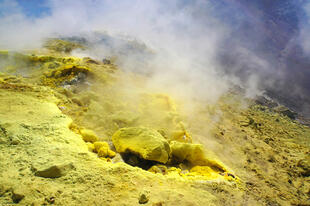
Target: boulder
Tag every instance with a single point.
(145, 142)
(195, 154)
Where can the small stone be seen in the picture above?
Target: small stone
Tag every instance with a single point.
(17, 196)
(53, 171)
(144, 197)
(50, 200)
(15, 141)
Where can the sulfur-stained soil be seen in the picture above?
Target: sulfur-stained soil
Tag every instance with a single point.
(46, 101)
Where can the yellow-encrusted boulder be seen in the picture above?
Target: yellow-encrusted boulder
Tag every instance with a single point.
(88, 135)
(195, 154)
(145, 142)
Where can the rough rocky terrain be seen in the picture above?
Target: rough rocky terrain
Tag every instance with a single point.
(57, 112)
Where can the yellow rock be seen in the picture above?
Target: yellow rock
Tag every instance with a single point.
(195, 154)
(99, 145)
(144, 142)
(103, 152)
(111, 153)
(89, 135)
(106, 152)
(185, 151)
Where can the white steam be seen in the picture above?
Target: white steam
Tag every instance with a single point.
(183, 47)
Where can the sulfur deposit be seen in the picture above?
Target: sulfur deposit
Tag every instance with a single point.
(77, 131)
(147, 143)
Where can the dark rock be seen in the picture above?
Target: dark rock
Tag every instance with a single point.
(15, 141)
(286, 112)
(17, 196)
(290, 114)
(106, 61)
(265, 102)
(304, 165)
(144, 197)
(50, 200)
(79, 78)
